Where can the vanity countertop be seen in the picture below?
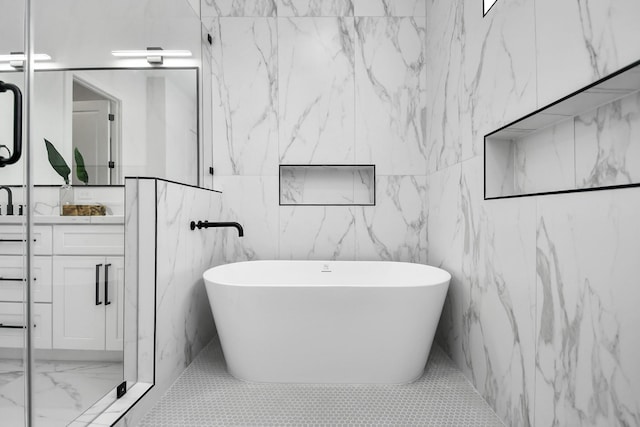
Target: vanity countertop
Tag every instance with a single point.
(57, 219)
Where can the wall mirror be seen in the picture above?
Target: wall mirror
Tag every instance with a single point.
(124, 122)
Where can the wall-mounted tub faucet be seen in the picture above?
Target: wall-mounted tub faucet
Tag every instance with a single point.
(9, 199)
(207, 224)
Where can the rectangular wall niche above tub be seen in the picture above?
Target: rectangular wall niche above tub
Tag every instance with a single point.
(588, 140)
(327, 185)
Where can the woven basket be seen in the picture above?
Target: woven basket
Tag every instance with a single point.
(84, 210)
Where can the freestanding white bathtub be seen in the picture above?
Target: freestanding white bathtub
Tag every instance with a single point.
(326, 321)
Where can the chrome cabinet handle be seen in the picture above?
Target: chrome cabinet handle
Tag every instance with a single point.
(106, 284)
(98, 302)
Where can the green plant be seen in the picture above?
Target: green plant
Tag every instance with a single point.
(62, 168)
(81, 171)
(57, 162)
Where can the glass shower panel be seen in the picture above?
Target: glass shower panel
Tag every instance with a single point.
(75, 118)
(13, 290)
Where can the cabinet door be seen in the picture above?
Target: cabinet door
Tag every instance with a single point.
(78, 302)
(114, 310)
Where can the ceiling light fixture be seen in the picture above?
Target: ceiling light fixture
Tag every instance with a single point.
(16, 59)
(154, 55)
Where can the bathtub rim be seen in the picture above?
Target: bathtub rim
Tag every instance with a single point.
(439, 276)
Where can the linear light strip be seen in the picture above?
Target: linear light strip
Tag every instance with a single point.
(151, 52)
(22, 57)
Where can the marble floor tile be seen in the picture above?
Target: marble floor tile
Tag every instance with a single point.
(63, 389)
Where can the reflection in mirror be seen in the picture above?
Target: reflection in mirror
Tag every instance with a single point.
(94, 135)
(124, 122)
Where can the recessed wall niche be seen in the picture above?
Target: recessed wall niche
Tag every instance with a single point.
(588, 140)
(327, 185)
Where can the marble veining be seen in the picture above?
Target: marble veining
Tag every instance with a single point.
(390, 94)
(347, 90)
(184, 325)
(545, 160)
(242, 197)
(465, 57)
(581, 42)
(62, 389)
(238, 8)
(326, 232)
(389, 7)
(245, 84)
(497, 322)
(315, 7)
(396, 228)
(588, 347)
(316, 75)
(608, 144)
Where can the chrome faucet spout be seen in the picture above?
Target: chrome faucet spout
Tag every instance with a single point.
(9, 199)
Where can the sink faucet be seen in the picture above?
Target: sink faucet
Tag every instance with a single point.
(207, 224)
(9, 199)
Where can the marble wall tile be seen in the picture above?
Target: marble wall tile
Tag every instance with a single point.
(395, 229)
(545, 160)
(587, 317)
(238, 8)
(316, 75)
(315, 7)
(447, 114)
(390, 94)
(317, 232)
(473, 61)
(498, 269)
(253, 202)
(500, 64)
(567, 348)
(580, 42)
(445, 238)
(245, 94)
(608, 144)
(184, 323)
(390, 7)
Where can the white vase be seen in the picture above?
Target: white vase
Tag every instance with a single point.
(66, 196)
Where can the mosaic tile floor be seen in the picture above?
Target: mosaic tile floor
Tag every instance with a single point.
(206, 395)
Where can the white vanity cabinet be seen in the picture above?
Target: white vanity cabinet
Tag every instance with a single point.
(88, 287)
(78, 283)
